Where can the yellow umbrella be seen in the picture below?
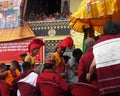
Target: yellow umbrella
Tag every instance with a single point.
(95, 13)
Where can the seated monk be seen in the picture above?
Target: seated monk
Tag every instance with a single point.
(57, 56)
(49, 75)
(28, 76)
(11, 74)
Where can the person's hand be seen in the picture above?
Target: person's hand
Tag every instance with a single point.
(88, 77)
(63, 74)
(67, 66)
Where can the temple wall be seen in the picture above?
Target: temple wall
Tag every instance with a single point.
(78, 37)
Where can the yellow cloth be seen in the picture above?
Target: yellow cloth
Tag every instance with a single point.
(10, 78)
(18, 33)
(32, 61)
(57, 58)
(96, 13)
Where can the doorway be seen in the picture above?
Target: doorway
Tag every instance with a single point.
(43, 6)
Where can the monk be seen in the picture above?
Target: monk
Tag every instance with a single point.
(33, 49)
(85, 62)
(57, 56)
(107, 60)
(49, 75)
(28, 76)
(11, 74)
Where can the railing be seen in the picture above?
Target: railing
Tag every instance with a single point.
(56, 24)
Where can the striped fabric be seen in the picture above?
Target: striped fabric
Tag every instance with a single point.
(107, 58)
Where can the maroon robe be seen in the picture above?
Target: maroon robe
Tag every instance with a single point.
(84, 65)
(50, 76)
(108, 70)
(4, 88)
(22, 75)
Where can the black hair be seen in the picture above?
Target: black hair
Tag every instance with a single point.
(97, 37)
(66, 58)
(48, 65)
(26, 65)
(111, 27)
(77, 51)
(3, 65)
(16, 63)
(23, 54)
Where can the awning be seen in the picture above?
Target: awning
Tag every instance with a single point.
(95, 13)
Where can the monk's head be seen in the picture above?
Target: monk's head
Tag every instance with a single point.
(89, 43)
(111, 27)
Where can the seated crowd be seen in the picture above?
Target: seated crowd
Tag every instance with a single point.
(43, 17)
(64, 76)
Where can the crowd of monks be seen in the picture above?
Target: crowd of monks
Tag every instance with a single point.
(97, 67)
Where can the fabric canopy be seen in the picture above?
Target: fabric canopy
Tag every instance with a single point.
(95, 13)
(12, 24)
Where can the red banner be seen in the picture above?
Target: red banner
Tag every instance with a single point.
(12, 50)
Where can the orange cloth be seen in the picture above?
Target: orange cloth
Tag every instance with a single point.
(16, 33)
(10, 78)
(59, 62)
(57, 58)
